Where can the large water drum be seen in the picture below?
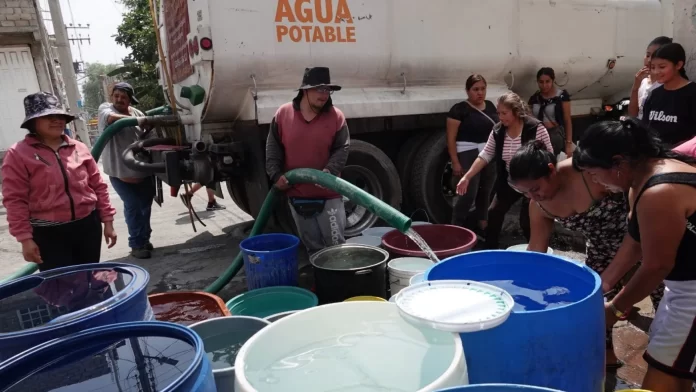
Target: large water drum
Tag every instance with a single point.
(140, 356)
(554, 337)
(55, 303)
(349, 346)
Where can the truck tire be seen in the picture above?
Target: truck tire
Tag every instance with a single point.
(371, 170)
(235, 187)
(430, 182)
(404, 165)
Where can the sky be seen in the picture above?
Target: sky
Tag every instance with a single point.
(103, 16)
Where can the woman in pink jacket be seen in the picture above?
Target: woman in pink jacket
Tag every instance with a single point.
(53, 192)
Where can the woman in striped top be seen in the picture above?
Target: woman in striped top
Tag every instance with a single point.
(515, 128)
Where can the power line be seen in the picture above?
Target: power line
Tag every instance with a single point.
(72, 22)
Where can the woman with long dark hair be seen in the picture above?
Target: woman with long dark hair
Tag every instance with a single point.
(514, 129)
(551, 105)
(469, 123)
(671, 108)
(628, 157)
(568, 196)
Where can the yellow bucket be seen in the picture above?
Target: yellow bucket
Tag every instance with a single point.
(634, 390)
(365, 298)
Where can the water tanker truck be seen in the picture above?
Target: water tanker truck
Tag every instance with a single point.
(402, 65)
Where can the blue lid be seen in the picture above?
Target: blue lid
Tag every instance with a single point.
(60, 297)
(127, 357)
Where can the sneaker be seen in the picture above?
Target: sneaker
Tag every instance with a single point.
(186, 199)
(149, 246)
(141, 253)
(214, 206)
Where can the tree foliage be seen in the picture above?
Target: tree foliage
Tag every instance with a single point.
(137, 34)
(92, 90)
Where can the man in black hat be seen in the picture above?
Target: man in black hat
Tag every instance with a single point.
(310, 132)
(136, 189)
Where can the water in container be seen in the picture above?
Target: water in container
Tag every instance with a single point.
(221, 353)
(129, 365)
(348, 362)
(530, 297)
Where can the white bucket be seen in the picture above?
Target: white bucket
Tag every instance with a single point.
(370, 240)
(356, 341)
(417, 278)
(377, 231)
(523, 248)
(401, 271)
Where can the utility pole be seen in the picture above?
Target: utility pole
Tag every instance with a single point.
(66, 65)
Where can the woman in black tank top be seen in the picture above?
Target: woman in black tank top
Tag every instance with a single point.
(628, 157)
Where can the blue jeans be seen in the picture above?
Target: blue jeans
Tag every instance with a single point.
(137, 203)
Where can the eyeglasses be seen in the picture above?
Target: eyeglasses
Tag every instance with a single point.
(324, 90)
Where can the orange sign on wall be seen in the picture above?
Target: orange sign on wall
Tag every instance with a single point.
(314, 21)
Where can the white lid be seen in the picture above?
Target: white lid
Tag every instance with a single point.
(455, 305)
(377, 231)
(412, 265)
(366, 240)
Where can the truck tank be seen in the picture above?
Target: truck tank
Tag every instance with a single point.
(242, 50)
(402, 65)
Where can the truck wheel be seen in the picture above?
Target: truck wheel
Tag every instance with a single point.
(404, 164)
(432, 185)
(371, 170)
(236, 189)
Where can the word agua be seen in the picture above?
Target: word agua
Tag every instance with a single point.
(297, 21)
(660, 116)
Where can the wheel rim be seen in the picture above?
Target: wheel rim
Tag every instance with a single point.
(448, 184)
(358, 218)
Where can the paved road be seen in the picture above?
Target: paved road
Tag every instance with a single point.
(184, 260)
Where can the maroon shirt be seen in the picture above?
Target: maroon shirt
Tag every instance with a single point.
(295, 143)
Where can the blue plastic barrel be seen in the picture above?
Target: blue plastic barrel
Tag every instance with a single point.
(560, 347)
(138, 356)
(498, 388)
(37, 308)
(270, 260)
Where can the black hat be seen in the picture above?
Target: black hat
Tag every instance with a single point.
(317, 77)
(128, 89)
(43, 104)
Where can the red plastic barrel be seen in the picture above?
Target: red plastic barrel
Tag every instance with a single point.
(444, 240)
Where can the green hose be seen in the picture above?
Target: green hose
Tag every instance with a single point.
(109, 133)
(310, 176)
(159, 111)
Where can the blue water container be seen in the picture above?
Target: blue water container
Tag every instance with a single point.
(559, 347)
(59, 302)
(270, 260)
(498, 388)
(137, 356)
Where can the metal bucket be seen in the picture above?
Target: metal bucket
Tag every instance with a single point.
(350, 270)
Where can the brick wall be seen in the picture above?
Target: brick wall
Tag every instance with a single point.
(18, 13)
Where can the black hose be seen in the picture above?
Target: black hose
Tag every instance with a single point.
(131, 162)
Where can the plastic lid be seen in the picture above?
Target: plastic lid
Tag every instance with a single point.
(412, 265)
(455, 305)
(366, 240)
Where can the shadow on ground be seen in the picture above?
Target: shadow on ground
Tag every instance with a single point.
(198, 262)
